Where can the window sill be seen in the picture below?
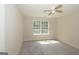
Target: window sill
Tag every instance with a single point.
(41, 34)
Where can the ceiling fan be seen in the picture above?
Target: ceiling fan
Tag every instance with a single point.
(53, 11)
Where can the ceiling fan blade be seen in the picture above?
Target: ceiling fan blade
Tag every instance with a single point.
(60, 11)
(59, 6)
(50, 13)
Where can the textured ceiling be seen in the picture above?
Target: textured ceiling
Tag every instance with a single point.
(37, 10)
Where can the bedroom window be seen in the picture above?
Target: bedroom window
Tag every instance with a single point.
(40, 27)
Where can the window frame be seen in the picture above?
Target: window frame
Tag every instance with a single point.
(40, 29)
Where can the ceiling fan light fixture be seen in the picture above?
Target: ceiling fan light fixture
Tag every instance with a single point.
(53, 11)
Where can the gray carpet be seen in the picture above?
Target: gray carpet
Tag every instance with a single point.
(47, 47)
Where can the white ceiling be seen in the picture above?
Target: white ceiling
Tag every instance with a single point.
(37, 10)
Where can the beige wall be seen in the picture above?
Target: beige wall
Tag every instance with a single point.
(28, 29)
(14, 29)
(68, 27)
(2, 28)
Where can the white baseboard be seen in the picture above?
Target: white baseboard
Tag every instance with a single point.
(68, 44)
